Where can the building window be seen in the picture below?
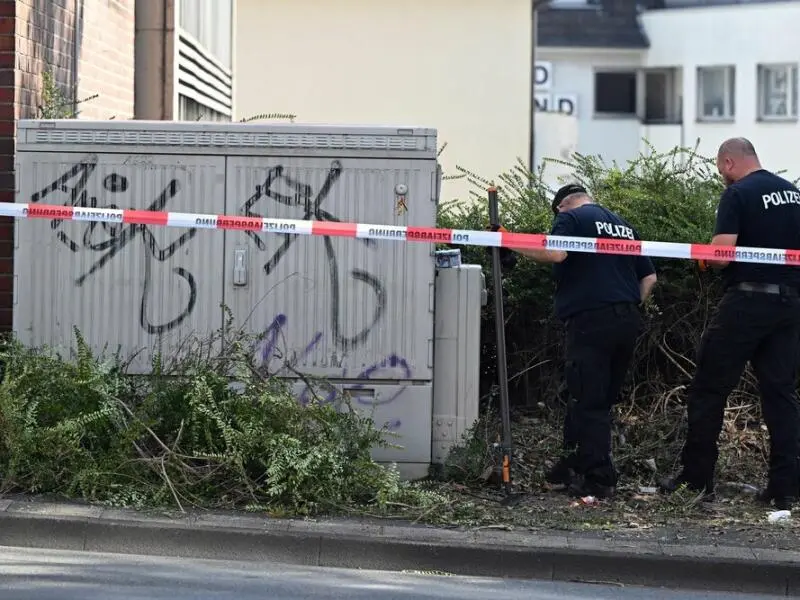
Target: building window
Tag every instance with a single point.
(777, 92)
(715, 93)
(210, 22)
(662, 97)
(574, 3)
(615, 93)
(191, 110)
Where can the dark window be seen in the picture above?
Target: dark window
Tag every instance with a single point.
(662, 99)
(615, 93)
(656, 92)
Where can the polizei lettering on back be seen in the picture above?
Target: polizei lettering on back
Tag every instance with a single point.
(386, 233)
(613, 230)
(779, 198)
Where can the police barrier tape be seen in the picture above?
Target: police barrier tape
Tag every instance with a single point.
(403, 233)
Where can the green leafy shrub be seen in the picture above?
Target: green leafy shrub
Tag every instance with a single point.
(207, 430)
(668, 196)
(54, 103)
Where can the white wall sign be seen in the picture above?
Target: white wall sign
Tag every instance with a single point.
(551, 102)
(563, 103)
(543, 73)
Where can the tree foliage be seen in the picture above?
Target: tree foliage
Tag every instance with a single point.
(668, 196)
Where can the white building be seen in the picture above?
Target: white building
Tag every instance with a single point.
(670, 71)
(673, 71)
(460, 66)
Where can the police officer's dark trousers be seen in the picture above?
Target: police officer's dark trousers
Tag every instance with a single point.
(754, 323)
(599, 348)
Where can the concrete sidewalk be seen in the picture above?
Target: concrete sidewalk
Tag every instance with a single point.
(386, 545)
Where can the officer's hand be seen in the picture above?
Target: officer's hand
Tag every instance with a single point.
(508, 258)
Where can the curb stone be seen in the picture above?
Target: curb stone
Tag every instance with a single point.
(397, 547)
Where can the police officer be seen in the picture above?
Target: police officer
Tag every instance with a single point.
(757, 319)
(597, 297)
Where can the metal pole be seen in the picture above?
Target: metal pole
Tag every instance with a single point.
(532, 142)
(502, 373)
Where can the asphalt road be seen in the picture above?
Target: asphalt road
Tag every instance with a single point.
(30, 574)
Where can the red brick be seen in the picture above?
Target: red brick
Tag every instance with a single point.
(8, 42)
(7, 231)
(7, 283)
(6, 268)
(7, 180)
(6, 316)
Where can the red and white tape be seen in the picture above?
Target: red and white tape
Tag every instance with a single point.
(462, 237)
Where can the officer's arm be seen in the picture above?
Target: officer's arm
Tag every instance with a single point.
(646, 273)
(726, 229)
(564, 224)
(541, 255)
(646, 286)
(723, 239)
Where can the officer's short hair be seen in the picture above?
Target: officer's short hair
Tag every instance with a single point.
(563, 192)
(739, 146)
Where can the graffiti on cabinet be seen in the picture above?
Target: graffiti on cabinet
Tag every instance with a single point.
(107, 240)
(287, 190)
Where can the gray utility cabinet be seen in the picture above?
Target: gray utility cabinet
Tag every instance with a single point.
(357, 313)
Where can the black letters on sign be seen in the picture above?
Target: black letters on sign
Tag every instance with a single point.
(566, 106)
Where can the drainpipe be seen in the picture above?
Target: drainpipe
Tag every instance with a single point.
(76, 52)
(532, 128)
(151, 60)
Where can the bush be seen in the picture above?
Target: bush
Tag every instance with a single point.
(668, 197)
(206, 430)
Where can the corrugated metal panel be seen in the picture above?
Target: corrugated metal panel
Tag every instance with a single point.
(126, 287)
(335, 307)
(404, 409)
(180, 137)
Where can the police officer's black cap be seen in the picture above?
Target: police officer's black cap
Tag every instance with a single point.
(567, 190)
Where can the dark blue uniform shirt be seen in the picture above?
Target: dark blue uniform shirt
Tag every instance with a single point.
(587, 281)
(763, 210)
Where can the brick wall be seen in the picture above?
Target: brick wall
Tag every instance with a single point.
(45, 35)
(106, 59)
(49, 34)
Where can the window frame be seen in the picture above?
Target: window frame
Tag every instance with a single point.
(573, 4)
(791, 71)
(673, 95)
(729, 100)
(634, 113)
